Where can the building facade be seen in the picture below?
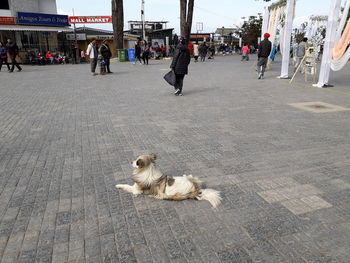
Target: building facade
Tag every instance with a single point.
(33, 24)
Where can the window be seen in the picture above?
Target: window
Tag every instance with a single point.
(4, 4)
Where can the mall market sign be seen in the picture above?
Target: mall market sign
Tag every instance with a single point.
(37, 19)
(89, 19)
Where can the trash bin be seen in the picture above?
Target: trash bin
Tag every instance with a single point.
(121, 55)
(131, 55)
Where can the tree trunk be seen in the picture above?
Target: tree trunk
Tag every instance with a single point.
(186, 16)
(118, 23)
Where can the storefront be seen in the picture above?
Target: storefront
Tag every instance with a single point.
(33, 31)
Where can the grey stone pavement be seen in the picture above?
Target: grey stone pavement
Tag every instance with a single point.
(66, 138)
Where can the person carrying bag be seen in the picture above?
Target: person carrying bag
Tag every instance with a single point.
(179, 65)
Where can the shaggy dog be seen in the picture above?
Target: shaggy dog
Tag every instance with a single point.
(150, 181)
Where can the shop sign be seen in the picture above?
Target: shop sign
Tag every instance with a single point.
(42, 19)
(100, 37)
(89, 19)
(6, 20)
(200, 36)
(79, 37)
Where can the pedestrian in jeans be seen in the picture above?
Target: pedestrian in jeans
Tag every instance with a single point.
(145, 52)
(263, 54)
(13, 51)
(179, 65)
(203, 51)
(3, 56)
(106, 53)
(92, 52)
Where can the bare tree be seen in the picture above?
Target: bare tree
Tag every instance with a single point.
(186, 16)
(118, 23)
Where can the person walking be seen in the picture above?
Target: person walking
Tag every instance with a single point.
(196, 51)
(13, 51)
(145, 52)
(106, 53)
(179, 65)
(137, 52)
(92, 52)
(263, 54)
(3, 56)
(203, 50)
(245, 53)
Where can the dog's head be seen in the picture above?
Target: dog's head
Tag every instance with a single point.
(144, 161)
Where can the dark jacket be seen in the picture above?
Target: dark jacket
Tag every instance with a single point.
(105, 51)
(203, 50)
(265, 48)
(137, 50)
(12, 49)
(3, 51)
(181, 60)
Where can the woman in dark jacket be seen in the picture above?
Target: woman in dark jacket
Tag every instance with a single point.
(179, 65)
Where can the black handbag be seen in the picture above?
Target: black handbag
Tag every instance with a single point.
(170, 77)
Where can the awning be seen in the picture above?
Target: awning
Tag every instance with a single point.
(34, 28)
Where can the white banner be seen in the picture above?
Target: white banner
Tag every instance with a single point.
(286, 41)
(332, 24)
(265, 25)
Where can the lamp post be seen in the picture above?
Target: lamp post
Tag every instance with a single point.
(143, 19)
(77, 60)
(222, 35)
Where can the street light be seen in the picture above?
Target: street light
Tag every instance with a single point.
(222, 34)
(143, 19)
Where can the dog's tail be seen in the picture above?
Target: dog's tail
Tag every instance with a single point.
(210, 195)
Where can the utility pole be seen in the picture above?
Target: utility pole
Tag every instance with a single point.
(143, 19)
(77, 60)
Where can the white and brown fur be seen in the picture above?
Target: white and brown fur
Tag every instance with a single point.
(150, 181)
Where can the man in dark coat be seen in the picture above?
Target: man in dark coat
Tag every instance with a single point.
(179, 65)
(106, 54)
(263, 54)
(13, 51)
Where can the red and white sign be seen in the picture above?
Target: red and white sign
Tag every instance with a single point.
(89, 19)
(7, 20)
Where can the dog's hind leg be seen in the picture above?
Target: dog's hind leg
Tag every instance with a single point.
(134, 189)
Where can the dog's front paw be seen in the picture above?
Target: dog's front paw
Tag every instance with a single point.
(120, 186)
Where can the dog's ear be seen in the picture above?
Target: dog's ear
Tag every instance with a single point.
(153, 157)
(140, 163)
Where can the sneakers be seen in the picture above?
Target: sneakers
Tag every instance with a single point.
(180, 94)
(177, 92)
(94, 74)
(261, 76)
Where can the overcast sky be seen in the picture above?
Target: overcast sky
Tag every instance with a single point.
(213, 14)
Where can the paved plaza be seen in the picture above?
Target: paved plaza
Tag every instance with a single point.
(279, 153)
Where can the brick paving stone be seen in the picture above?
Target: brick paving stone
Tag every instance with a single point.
(66, 138)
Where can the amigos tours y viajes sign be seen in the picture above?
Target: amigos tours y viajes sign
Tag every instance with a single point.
(38, 19)
(89, 19)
